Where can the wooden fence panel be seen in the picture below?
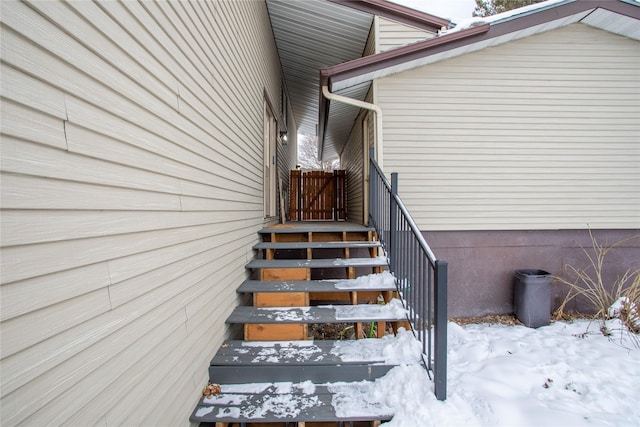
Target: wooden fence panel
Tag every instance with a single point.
(317, 195)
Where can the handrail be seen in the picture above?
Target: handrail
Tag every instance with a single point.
(421, 278)
(405, 211)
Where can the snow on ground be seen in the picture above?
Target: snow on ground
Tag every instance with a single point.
(565, 374)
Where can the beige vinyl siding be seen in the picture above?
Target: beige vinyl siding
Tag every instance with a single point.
(541, 133)
(131, 149)
(370, 45)
(392, 34)
(352, 162)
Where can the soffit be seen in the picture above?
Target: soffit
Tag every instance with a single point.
(310, 35)
(614, 22)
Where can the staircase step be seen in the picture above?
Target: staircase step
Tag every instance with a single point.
(279, 403)
(390, 312)
(335, 285)
(317, 245)
(319, 361)
(318, 263)
(317, 227)
(305, 352)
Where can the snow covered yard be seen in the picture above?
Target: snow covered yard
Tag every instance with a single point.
(565, 374)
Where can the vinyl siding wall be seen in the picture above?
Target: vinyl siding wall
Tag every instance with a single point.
(541, 133)
(385, 34)
(131, 196)
(352, 161)
(392, 34)
(370, 46)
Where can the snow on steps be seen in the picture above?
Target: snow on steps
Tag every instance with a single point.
(303, 402)
(374, 282)
(313, 390)
(393, 311)
(265, 380)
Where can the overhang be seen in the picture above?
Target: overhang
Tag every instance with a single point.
(617, 16)
(315, 34)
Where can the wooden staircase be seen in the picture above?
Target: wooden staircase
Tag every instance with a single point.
(305, 274)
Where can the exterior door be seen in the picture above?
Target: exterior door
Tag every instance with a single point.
(270, 131)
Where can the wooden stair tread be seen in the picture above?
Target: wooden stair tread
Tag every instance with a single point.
(317, 314)
(273, 406)
(318, 263)
(317, 245)
(333, 285)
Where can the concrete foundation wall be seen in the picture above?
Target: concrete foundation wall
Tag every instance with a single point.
(482, 263)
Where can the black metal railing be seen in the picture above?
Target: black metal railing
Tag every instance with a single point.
(421, 278)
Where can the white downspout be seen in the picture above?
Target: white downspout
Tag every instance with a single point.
(377, 140)
(366, 106)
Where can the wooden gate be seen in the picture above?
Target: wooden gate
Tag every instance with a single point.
(317, 195)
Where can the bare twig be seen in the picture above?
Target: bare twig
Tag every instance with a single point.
(590, 284)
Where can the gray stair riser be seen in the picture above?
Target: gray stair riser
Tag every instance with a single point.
(296, 374)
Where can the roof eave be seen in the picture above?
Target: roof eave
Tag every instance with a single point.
(367, 67)
(397, 12)
(368, 64)
(392, 57)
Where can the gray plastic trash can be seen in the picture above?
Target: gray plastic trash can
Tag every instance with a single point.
(532, 297)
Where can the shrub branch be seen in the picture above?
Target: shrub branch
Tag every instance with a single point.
(589, 283)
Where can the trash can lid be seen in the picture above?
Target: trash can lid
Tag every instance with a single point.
(532, 272)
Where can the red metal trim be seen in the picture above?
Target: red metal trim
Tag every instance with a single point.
(474, 34)
(398, 13)
(393, 57)
(390, 58)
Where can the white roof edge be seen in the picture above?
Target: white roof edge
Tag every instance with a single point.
(505, 16)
